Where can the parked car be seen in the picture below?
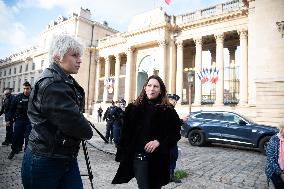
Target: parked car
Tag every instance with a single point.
(226, 127)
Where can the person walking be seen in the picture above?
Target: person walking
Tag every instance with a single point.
(22, 126)
(118, 120)
(150, 129)
(274, 168)
(173, 98)
(100, 114)
(109, 118)
(6, 110)
(55, 110)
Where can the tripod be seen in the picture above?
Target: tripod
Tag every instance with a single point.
(87, 158)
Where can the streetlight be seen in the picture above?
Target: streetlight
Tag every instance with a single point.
(190, 77)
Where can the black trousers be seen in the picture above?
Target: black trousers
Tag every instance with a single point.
(22, 129)
(141, 172)
(9, 133)
(277, 181)
(109, 131)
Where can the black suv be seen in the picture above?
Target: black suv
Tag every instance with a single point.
(226, 127)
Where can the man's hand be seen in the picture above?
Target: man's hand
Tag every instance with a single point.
(184, 119)
(8, 123)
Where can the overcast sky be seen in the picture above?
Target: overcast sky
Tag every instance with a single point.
(21, 21)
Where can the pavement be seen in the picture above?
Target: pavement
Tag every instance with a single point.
(212, 167)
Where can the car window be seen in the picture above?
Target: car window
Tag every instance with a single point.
(217, 116)
(203, 115)
(232, 118)
(229, 117)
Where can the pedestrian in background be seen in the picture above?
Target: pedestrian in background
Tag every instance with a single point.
(275, 159)
(150, 129)
(109, 118)
(173, 98)
(22, 126)
(58, 125)
(100, 114)
(6, 109)
(118, 120)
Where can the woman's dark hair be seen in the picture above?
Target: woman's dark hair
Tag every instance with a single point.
(162, 98)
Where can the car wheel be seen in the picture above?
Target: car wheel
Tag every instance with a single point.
(196, 138)
(263, 144)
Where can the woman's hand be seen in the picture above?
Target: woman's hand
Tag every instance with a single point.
(151, 146)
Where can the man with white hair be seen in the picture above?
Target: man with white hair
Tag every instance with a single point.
(6, 109)
(58, 125)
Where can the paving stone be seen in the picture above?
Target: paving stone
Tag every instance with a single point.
(215, 166)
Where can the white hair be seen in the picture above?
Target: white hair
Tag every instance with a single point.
(63, 44)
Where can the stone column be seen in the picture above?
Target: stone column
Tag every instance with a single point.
(116, 77)
(98, 74)
(128, 75)
(213, 65)
(92, 78)
(220, 66)
(173, 67)
(243, 67)
(107, 71)
(198, 66)
(163, 60)
(179, 73)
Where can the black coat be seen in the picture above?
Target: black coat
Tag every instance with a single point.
(6, 108)
(165, 127)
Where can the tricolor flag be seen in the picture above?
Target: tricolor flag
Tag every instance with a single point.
(168, 1)
(214, 78)
(208, 75)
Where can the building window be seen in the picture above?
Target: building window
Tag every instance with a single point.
(10, 71)
(4, 72)
(41, 64)
(27, 67)
(9, 84)
(1, 74)
(15, 70)
(14, 85)
(33, 66)
(19, 85)
(20, 71)
(231, 85)
(3, 86)
(32, 81)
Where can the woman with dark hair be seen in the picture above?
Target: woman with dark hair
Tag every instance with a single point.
(151, 127)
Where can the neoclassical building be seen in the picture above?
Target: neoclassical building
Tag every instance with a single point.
(234, 35)
(231, 55)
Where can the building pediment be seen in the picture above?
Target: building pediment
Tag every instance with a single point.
(150, 18)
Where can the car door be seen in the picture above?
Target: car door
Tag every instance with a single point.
(210, 126)
(236, 130)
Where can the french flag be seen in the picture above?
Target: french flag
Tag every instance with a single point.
(168, 2)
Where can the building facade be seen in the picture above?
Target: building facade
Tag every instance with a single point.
(235, 77)
(225, 57)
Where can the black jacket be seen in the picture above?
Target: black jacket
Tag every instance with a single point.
(6, 108)
(19, 107)
(165, 127)
(55, 111)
